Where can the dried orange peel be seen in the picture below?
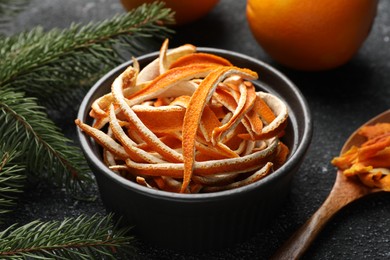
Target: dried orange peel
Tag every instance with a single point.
(189, 122)
(371, 160)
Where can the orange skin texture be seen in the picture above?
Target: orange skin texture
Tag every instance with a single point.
(186, 10)
(311, 35)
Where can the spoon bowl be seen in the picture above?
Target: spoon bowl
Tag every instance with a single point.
(344, 191)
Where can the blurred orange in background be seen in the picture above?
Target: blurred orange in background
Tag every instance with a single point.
(311, 34)
(186, 11)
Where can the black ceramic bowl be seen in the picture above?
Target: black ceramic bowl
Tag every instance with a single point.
(208, 220)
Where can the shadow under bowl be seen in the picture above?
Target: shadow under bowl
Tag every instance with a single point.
(205, 221)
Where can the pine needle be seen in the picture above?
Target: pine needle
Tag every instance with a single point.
(73, 238)
(11, 178)
(43, 148)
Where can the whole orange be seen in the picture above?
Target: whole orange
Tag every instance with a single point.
(311, 34)
(186, 11)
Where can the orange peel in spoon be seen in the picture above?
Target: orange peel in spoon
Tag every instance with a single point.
(371, 160)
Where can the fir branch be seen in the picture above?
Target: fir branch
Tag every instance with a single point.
(46, 65)
(44, 149)
(42, 63)
(11, 178)
(73, 238)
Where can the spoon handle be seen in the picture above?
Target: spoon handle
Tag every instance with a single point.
(341, 195)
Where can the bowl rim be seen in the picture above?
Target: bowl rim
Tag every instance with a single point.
(284, 169)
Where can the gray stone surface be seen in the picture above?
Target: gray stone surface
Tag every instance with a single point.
(340, 100)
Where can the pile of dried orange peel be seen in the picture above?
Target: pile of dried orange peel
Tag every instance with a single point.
(370, 161)
(189, 122)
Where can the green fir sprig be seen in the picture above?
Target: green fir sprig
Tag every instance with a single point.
(44, 64)
(73, 238)
(11, 177)
(42, 147)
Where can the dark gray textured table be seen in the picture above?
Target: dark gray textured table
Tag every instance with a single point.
(340, 101)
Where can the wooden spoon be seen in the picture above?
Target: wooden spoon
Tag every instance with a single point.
(344, 191)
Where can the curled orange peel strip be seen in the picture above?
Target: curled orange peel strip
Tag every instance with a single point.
(164, 119)
(194, 112)
(208, 168)
(139, 126)
(129, 145)
(151, 70)
(200, 58)
(189, 122)
(245, 104)
(371, 131)
(103, 139)
(163, 60)
(259, 174)
(278, 124)
(168, 80)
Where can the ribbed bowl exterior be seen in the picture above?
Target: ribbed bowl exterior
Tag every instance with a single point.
(194, 225)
